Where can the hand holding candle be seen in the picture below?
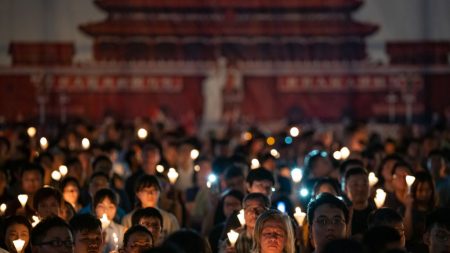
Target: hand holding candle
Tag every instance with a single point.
(299, 216)
(410, 181)
(232, 237)
(105, 221)
(380, 197)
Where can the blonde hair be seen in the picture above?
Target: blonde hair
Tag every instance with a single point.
(284, 220)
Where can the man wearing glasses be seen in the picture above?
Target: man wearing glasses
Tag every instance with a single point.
(52, 235)
(87, 232)
(437, 235)
(328, 219)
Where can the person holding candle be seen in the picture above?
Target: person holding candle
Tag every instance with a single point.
(254, 205)
(137, 239)
(148, 191)
(70, 189)
(14, 228)
(273, 233)
(48, 202)
(106, 203)
(328, 218)
(87, 233)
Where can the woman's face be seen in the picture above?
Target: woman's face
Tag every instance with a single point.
(71, 193)
(231, 204)
(14, 232)
(148, 196)
(106, 206)
(273, 237)
(423, 192)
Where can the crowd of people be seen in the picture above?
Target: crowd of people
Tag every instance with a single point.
(148, 187)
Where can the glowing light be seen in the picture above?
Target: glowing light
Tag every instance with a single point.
(299, 216)
(105, 221)
(288, 140)
(294, 131)
(241, 217)
(142, 133)
(212, 178)
(44, 143)
(36, 220)
(197, 168)
(2, 208)
(337, 155)
(345, 153)
(297, 175)
(410, 181)
(173, 175)
(270, 141)
(63, 170)
(304, 192)
(194, 154)
(281, 207)
(255, 164)
(232, 237)
(159, 168)
(275, 153)
(247, 136)
(372, 179)
(273, 189)
(85, 143)
(31, 131)
(380, 197)
(23, 198)
(18, 244)
(56, 175)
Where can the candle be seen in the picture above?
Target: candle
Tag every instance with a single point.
(173, 175)
(275, 153)
(23, 198)
(372, 179)
(299, 216)
(195, 154)
(116, 240)
(18, 244)
(36, 220)
(380, 197)
(296, 175)
(345, 152)
(31, 131)
(294, 131)
(142, 133)
(255, 163)
(410, 181)
(160, 168)
(85, 143)
(63, 170)
(105, 221)
(56, 175)
(241, 217)
(232, 237)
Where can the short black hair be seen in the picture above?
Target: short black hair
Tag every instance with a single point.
(384, 216)
(27, 167)
(233, 171)
(355, 171)
(147, 212)
(440, 216)
(146, 181)
(402, 164)
(333, 182)
(69, 180)
(101, 158)
(343, 246)
(40, 231)
(84, 222)
(326, 198)
(189, 240)
(136, 229)
(99, 174)
(349, 163)
(257, 196)
(46, 193)
(102, 194)
(376, 239)
(260, 174)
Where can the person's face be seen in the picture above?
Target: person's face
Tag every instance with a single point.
(14, 232)
(328, 224)
(153, 225)
(399, 178)
(322, 168)
(231, 204)
(236, 183)
(326, 188)
(151, 157)
(89, 241)
(57, 240)
(97, 183)
(358, 188)
(438, 239)
(252, 209)
(71, 193)
(273, 237)
(48, 207)
(264, 187)
(148, 196)
(386, 171)
(106, 206)
(138, 242)
(31, 181)
(424, 192)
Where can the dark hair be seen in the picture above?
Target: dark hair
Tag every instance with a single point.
(13, 220)
(383, 216)
(402, 164)
(46, 193)
(69, 180)
(312, 158)
(440, 216)
(376, 239)
(146, 181)
(327, 180)
(257, 196)
(99, 174)
(355, 171)
(349, 163)
(232, 172)
(395, 157)
(32, 167)
(326, 199)
(343, 246)
(425, 177)
(102, 194)
(40, 231)
(260, 174)
(136, 229)
(84, 222)
(189, 240)
(219, 216)
(99, 159)
(147, 212)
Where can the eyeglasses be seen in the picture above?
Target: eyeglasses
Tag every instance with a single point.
(324, 221)
(57, 243)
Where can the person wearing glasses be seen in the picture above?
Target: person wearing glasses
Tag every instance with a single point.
(137, 239)
(87, 233)
(328, 218)
(52, 235)
(151, 219)
(254, 205)
(437, 235)
(273, 233)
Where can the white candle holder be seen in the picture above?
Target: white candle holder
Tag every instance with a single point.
(23, 198)
(299, 216)
(241, 217)
(232, 237)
